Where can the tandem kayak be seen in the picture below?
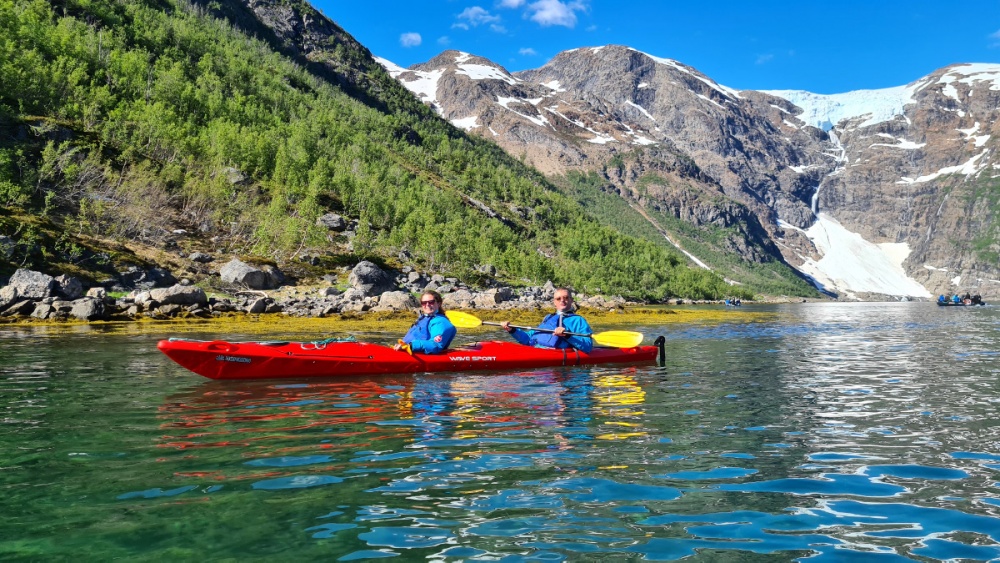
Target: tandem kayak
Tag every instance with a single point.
(219, 359)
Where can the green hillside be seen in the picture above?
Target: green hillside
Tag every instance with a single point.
(122, 121)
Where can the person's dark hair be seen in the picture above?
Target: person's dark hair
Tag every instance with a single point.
(437, 297)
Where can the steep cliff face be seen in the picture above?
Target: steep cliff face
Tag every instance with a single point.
(668, 139)
(917, 168)
(887, 192)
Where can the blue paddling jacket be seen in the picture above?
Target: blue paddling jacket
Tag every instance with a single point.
(431, 334)
(572, 323)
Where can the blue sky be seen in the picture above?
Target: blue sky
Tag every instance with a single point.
(825, 47)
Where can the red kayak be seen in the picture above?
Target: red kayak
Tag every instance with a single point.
(219, 359)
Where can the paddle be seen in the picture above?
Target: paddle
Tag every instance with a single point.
(612, 338)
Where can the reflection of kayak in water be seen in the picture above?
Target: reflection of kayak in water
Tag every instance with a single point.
(219, 359)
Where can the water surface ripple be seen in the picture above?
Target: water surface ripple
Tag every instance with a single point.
(825, 432)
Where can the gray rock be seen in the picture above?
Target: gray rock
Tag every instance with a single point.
(241, 273)
(42, 311)
(179, 295)
(494, 296)
(332, 221)
(32, 285)
(169, 310)
(87, 309)
(69, 287)
(155, 277)
(328, 292)
(396, 301)
(258, 306)
(461, 299)
(97, 293)
(370, 279)
(234, 176)
(276, 278)
(19, 308)
(201, 257)
(353, 295)
(8, 295)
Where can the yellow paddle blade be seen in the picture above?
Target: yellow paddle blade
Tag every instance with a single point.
(463, 320)
(618, 338)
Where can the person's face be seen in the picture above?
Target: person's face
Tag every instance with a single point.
(562, 300)
(428, 304)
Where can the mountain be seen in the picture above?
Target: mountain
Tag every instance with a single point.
(145, 131)
(868, 194)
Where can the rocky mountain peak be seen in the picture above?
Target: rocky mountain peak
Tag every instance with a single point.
(791, 167)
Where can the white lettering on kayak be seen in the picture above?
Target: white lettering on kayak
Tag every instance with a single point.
(222, 358)
(473, 358)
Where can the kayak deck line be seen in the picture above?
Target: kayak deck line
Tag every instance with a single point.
(220, 359)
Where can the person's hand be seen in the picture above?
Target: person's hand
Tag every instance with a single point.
(559, 331)
(506, 326)
(397, 346)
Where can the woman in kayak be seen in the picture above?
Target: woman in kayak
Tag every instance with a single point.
(433, 332)
(557, 324)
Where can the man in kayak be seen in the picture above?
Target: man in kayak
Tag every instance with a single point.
(433, 332)
(558, 324)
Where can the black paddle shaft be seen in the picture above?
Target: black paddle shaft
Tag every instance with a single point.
(536, 329)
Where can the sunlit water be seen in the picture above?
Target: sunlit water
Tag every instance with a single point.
(825, 432)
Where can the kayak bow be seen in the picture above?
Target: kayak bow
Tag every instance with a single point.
(219, 359)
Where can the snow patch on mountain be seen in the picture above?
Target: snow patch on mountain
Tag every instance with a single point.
(851, 263)
(825, 111)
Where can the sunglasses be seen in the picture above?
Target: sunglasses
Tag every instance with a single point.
(431, 302)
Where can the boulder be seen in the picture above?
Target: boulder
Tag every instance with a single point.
(396, 301)
(328, 292)
(332, 221)
(200, 257)
(32, 285)
(238, 272)
(494, 296)
(87, 309)
(8, 296)
(178, 295)
(69, 287)
(461, 299)
(158, 277)
(370, 279)
(97, 293)
(276, 278)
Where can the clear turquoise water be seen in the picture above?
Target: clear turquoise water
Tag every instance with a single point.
(828, 432)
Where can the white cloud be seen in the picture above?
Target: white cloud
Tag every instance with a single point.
(512, 3)
(444, 40)
(996, 39)
(410, 39)
(498, 28)
(555, 12)
(764, 59)
(475, 16)
(527, 51)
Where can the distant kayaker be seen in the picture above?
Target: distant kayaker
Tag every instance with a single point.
(433, 332)
(562, 321)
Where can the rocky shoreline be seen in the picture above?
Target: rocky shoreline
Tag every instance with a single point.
(249, 290)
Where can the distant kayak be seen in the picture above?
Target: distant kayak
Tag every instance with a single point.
(963, 304)
(218, 359)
